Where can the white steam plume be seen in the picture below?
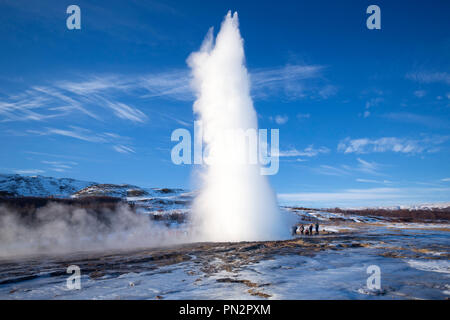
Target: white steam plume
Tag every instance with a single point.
(236, 202)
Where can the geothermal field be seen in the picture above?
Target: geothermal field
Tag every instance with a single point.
(142, 247)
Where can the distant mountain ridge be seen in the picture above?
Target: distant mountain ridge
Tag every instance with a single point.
(111, 190)
(38, 186)
(15, 185)
(422, 206)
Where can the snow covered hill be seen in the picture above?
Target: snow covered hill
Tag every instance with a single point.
(15, 185)
(39, 186)
(169, 205)
(111, 190)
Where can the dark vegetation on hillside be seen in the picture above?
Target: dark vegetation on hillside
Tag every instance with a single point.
(33, 203)
(101, 207)
(394, 215)
(28, 209)
(401, 215)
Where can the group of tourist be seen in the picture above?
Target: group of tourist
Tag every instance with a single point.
(307, 231)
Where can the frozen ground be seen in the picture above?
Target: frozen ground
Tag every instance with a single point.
(413, 257)
(414, 264)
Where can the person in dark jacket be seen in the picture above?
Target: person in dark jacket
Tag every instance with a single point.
(317, 228)
(311, 229)
(302, 229)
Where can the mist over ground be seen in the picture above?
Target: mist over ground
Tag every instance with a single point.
(59, 228)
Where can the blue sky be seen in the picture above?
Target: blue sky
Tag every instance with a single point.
(363, 114)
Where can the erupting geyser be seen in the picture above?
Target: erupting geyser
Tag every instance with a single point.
(235, 202)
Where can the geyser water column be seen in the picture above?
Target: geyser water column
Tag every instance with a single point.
(235, 202)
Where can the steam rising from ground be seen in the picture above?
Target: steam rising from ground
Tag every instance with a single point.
(236, 202)
(61, 228)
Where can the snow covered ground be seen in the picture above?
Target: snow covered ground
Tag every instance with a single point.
(327, 274)
(414, 264)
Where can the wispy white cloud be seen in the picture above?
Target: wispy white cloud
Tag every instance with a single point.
(392, 144)
(303, 116)
(328, 170)
(59, 166)
(126, 112)
(43, 103)
(73, 132)
(83, 134)
(25, 107)
(309, 151)
(276, 76)
(29, 171)
(425, 120)
(328, 91)
(373, 181)
(372, 102)
(60, 156)
(429, 77)
(280, 119)
(361, 166)
(367, 167)
(367, 197)
(173, 84)
(420, 93)
(446, 179)
(90, 95)
(347, 194)
(292, 81)
(123, 149)
(96, 84)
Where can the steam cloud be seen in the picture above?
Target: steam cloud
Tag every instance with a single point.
(236, 202)
(61, 228)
